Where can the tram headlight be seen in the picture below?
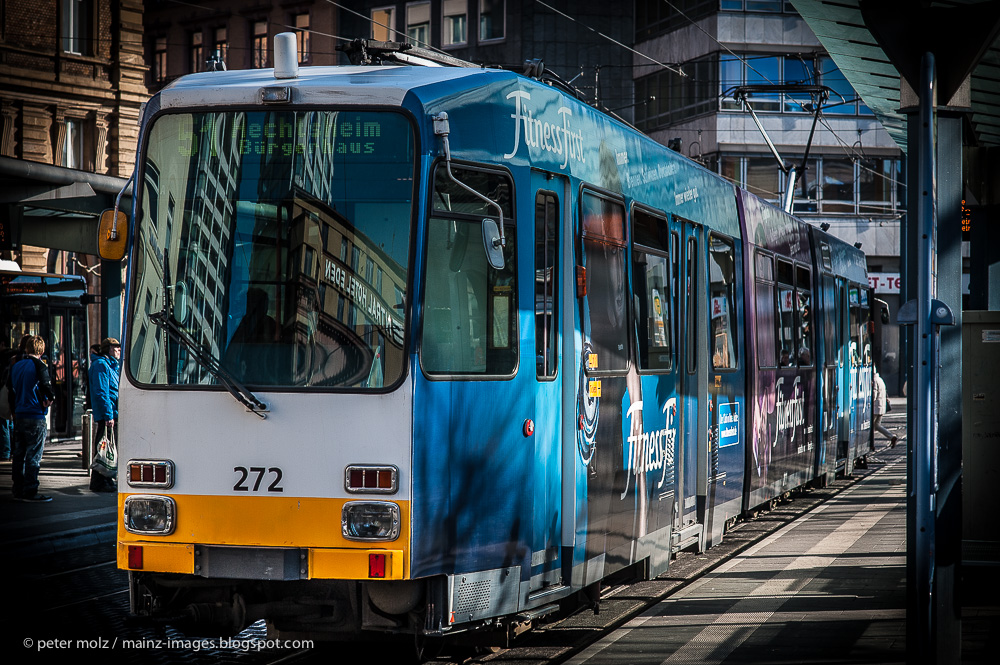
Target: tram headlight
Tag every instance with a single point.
(150, 514)
(370, 520)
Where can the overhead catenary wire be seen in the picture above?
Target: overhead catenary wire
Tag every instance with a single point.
(746, 61)
(611, 39)
(393, 30)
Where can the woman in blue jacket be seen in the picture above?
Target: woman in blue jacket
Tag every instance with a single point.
(105, 371)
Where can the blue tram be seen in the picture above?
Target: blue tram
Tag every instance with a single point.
(431, 350)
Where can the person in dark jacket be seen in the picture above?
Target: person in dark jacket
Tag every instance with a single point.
(105, 370)
(31, 394)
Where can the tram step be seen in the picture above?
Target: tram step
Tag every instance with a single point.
(538, 612)
(685, 537)
(547, 591)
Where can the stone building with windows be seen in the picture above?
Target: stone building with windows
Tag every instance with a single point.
(72, 86)
(182, 38)
(508, 33)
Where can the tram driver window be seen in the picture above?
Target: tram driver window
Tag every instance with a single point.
(470, 309)
(722, 286)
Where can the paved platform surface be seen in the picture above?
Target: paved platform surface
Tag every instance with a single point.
(76, 517)
(829, 587)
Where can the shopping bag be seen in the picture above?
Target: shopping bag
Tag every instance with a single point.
(106, 460)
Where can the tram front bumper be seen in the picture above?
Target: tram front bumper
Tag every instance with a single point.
(261, 538)
(261, 563)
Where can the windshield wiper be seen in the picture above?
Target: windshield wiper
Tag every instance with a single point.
(165, 320)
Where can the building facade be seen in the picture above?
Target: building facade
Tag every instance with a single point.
(72, 73)
(182, 38)
(761, 52)
(574, 40)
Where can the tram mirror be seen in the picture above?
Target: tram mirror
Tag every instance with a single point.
(885, 315)
(112, 235)
(491, 241)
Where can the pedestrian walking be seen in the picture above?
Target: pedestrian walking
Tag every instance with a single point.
(878, 405)
(105, 371)
(31, 394)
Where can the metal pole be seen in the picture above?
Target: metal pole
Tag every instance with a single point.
(87, 428)
(789, 200)
(924, 448)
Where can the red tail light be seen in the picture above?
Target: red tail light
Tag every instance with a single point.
(151, 473)
(135, 557)
(375, 479)
(376, 565)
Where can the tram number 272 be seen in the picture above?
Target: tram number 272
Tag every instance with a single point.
(244, 472)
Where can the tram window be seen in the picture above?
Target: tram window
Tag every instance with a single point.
(470, 309)
(451, 197)
(765, 267)
(827, 255)
(803, 302)
(860, 343)
(785, 316)
(604, 260)
(546, 283)
(830, 332)
(764, 318)
(651, 286)
(764, 309)
(675, 277)
(841, 314)
(691, 301)
(722, 292)
(253, 190)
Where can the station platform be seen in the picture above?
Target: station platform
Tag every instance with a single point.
(829, 587)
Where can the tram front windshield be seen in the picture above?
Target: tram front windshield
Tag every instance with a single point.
(277, 243)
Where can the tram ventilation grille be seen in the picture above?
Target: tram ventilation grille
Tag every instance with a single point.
(473, 597)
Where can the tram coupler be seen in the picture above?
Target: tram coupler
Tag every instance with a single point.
(228, 617)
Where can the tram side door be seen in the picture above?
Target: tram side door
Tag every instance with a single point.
(550, 211)
(844, 362)
(692, 366)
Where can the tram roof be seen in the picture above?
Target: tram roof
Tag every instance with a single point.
(366, 85)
